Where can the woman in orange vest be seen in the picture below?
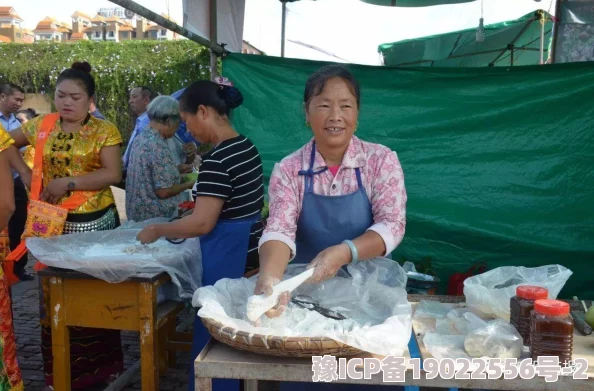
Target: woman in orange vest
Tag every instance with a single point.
(81, 159)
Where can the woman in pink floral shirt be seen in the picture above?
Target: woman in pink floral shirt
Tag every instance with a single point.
(336, 200)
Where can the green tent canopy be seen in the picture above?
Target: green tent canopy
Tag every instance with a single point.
(414, 3)
(518, 40)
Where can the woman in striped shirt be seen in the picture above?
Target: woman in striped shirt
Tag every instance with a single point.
(229, 195)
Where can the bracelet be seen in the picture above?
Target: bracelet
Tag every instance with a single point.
(354, 252)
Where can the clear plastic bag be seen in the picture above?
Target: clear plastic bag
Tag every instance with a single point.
(372, 298)
(497, 339)
(489, 293)
(116, 255)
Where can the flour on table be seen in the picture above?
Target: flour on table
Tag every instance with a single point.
(297, 321)
(129, 248)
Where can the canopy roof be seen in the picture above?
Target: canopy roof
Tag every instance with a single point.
(460, 48)
(414, 3)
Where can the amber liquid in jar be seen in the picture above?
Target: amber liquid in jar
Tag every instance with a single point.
(552, 330)
(521, 306)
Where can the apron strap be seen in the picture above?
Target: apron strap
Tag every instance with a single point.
(309, 173)
(359, 181)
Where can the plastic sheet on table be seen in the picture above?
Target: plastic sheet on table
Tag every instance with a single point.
(116, 255)
(371, 296)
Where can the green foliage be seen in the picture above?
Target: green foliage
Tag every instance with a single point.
(165, 66)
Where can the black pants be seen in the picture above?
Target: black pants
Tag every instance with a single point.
(16, 224)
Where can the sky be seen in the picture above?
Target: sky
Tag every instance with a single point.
(346, 30)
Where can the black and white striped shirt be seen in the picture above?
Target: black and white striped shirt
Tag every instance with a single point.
(233, 171)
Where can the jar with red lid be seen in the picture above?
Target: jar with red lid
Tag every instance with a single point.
(521, 306)
(551, 331)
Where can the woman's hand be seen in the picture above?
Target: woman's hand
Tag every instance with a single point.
(185, 168)
(148, 234)
(264, 286)
(190, 149)
(328, 262)
(55, 190)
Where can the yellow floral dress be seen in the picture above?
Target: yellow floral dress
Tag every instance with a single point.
(10, 374)
(73, 154)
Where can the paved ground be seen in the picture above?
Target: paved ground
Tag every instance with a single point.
(27, 329)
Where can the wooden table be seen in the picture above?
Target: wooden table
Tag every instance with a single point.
(218, 360)
(80, 300)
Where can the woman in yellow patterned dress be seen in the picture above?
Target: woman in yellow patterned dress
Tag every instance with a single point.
(10, 374)
(81, 153)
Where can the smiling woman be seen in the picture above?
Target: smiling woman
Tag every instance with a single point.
(336, 200)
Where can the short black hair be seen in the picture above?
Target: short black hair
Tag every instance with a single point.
(29, 113)
(221, 98)
(317, 81)
(79, 72)
(146, 92)
(9, 89)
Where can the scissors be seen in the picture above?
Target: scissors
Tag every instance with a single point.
(310, 303)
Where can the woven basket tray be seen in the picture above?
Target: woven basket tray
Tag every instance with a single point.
(277, 346)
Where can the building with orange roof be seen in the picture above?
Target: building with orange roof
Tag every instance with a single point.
(11, 27)
(50, 29)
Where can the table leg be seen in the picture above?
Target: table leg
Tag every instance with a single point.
(149, 360)
(203, 384)
(60, 335)
(250, 385)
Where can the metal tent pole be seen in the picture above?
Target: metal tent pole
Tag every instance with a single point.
(284, 22)
(213, 38)
(153, 17)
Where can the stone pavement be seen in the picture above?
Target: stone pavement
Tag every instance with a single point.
(28, 333)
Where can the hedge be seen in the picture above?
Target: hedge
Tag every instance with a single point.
(165, 66)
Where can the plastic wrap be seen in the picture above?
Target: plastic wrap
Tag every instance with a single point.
(497, 339)
(489, 293)
(116, 255)
(372, 298)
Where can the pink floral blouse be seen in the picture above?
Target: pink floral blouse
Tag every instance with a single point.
(381, 175)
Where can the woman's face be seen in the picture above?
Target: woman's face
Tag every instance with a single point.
(22, 118)
(333, 114)
(167, 130)
(198, 124)
(72, 101)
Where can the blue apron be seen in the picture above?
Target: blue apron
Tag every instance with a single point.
(326, 221)
(224, 253)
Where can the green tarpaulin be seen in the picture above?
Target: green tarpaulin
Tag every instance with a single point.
(461, 49)
(498, 162)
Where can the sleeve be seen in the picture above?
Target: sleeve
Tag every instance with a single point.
(388, 201)
(110, 135)
(213, 179)
(283, 209)
(5, 140)
(164, 170)
(30, 129)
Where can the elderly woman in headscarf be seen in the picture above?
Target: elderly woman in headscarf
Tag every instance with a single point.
(153, 182)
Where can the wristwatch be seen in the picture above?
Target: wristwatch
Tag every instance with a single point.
(71, 186)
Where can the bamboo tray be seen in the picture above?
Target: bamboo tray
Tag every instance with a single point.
(277, 346)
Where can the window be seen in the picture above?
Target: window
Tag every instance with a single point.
(133, 34)
(125, 34)
(163, 32)
(97, 34)
(110, 34)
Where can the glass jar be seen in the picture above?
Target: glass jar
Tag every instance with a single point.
(551, 331)
(521, 306)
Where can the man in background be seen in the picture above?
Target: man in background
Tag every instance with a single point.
(11, 101)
